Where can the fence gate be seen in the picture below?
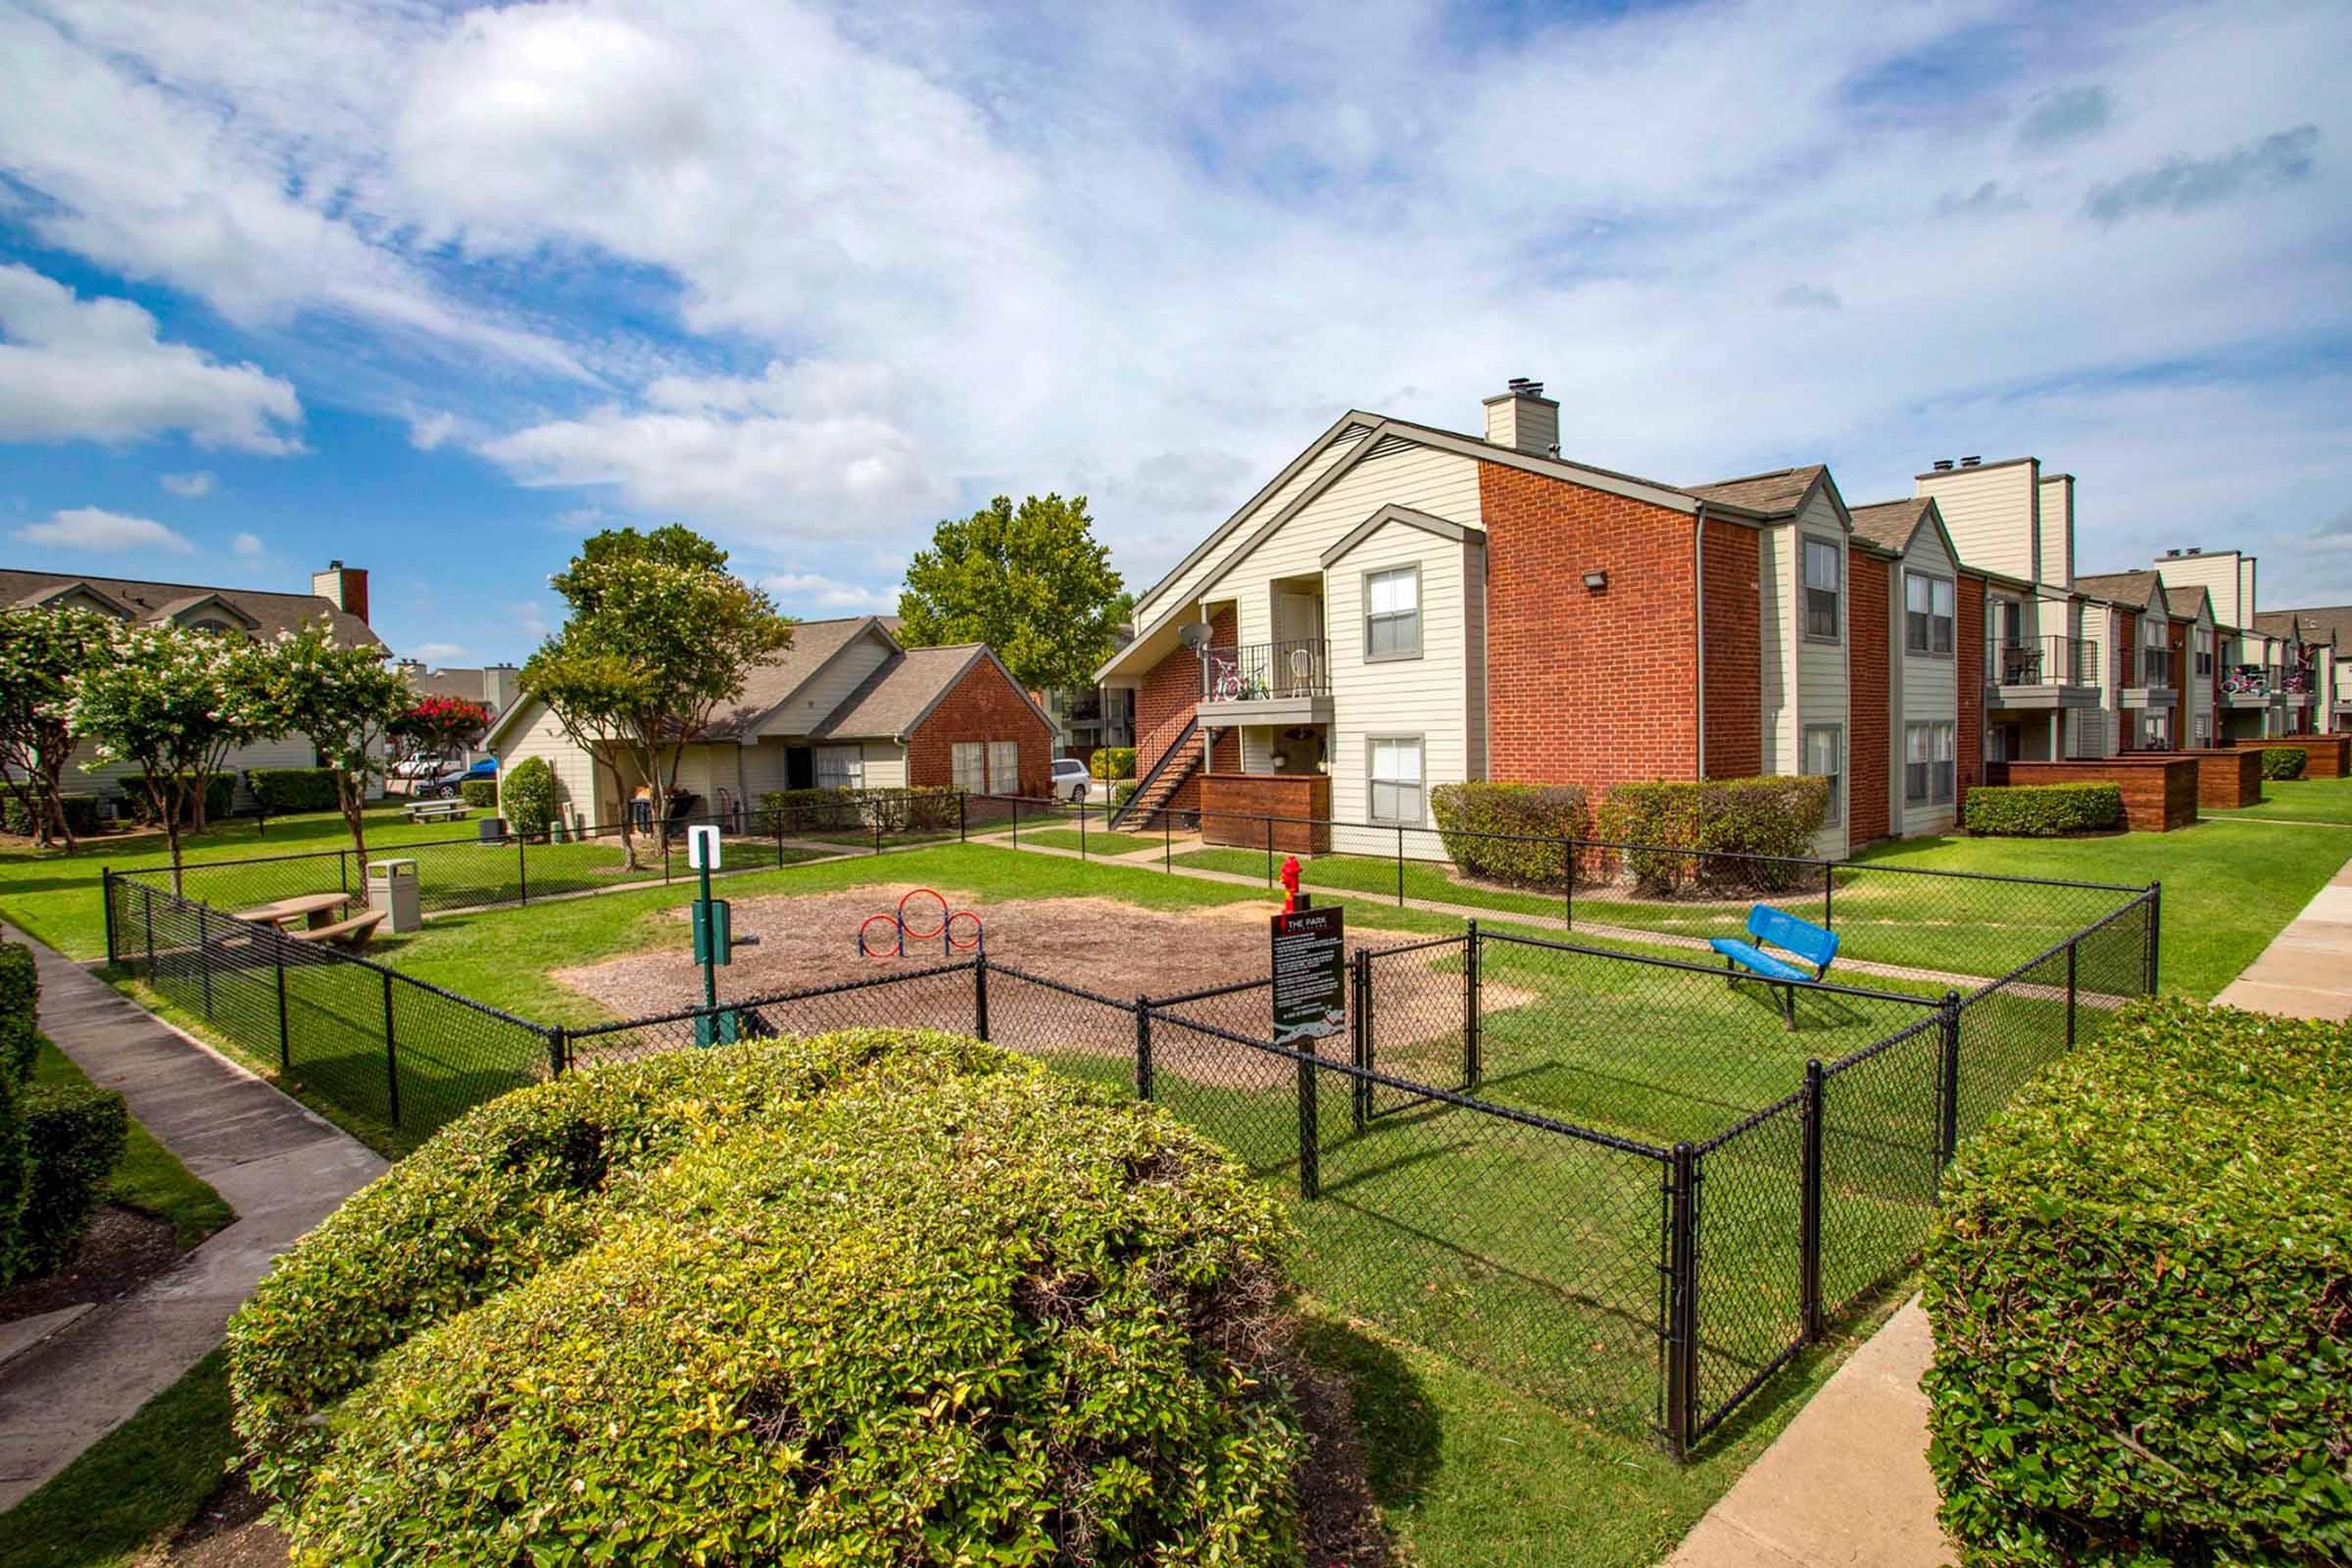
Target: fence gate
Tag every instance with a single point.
(1413, 1015)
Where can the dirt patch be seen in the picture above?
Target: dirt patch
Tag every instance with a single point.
(1114, 950)
(121, 1250)
(227, 1532)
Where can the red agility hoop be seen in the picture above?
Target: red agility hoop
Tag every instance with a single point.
(938, 930)
(951, 937)
(960, 944)
(890, 923)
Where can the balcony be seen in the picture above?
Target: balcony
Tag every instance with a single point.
(2245, 686)
(1267, 683)
(2152, 679)
(2047, 672)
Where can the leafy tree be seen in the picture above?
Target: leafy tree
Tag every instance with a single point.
(660, 635)
(1033, 584)
(41, 651)
(347, 699)
(439, 725)
(173, 703)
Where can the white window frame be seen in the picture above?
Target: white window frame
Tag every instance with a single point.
(1004, 767)
(849, 777)
(1929, 622)
(1374, 619)
(1836, 773)
(1374, 781)
(1918, 761)
(1943, 741)
(969, 762)
(1806, 589)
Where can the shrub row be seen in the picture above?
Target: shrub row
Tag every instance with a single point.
(2285, 761)
(1537, 818)
(1775, 817)
(526, 797)
(2141, 1287)
(58, 1143)
(2044, 811)
(82, 815)
(479, 793)
(883, 1297)
(1112, 762)
(286, 790)
(895, 810)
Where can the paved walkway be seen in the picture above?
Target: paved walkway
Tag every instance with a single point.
(1847, 1483)
(280, 1167)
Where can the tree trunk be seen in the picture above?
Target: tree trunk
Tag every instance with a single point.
(55, 800)
(353, 798)
(167, 803)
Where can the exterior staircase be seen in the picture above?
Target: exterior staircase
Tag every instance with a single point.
(1178, 760)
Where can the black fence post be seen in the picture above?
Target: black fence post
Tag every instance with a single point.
(523, 869)
(343, 871)
(1808, 1223)
(1143, 1048)
(1947, 1136)
(1359, 1015)
(391, 1054)
(1016, 821)
(2071, 944)
(1472, 1070)
(962, 796)
(1082, 827)
(1167, 841)
(147, 919)
(665, 854)
(1829, 879)
(1269, 851)
(2155, 932)
(1568, 883)
(559, 1051)
(1310, 1163)
(877, 834)
(285, 1036)
(203, 953)
(780, 838)
(980, 994)
(106, 885)
(1682, 1299)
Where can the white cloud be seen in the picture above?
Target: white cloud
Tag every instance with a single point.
(97, 531)
(248, 546)
(437, 652)
(188, 485)
(428, 430)
(797, 592)
(96, 370)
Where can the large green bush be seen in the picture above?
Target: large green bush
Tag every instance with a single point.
(896, 810)
(526, 797)
(880, 1296)
(73, 1132)
(20, 1006)
(1777, 815)
(1112, 762)
(2285, 761)
(1512, 833)
(19, 1041)
(2043, 810)
(82, 815)
(479, 793)
(2141, 1287)
(286, 790)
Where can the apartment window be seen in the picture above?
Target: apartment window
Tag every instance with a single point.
(2204, 656)
(1927, 615)
(840, 768)
(1824, 757)
(2201, 728)
(1944, 744)
(1916, 763)
(1820, 589)
(1395, 776)
(969, 760)
(1005, 766)
(1393, 613)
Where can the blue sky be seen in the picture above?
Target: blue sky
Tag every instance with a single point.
(438, 291)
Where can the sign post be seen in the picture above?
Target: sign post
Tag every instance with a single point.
(1310, 991)
(713, 939)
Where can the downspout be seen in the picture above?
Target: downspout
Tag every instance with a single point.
(1699, 577)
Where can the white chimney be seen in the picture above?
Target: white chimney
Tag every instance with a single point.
(1524, 420)
(499, 683)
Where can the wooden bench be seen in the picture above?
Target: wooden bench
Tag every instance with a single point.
(439, 810)
(1815, 945)
(349, 935)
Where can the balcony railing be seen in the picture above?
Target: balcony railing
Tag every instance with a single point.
(2298, 680)
(2046, 662)
(1266, 672)
(2245, 680)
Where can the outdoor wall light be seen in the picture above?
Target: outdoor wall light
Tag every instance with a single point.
(1596, 581)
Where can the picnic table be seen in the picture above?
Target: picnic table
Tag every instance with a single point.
(438, 810)
(313, 910)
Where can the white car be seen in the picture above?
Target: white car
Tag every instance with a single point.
(1069, 779)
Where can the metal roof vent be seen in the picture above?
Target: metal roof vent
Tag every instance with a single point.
(1944, 464)
(1970, 462)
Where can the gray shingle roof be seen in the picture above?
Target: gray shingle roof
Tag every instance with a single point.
(766, 685)
(887, 703)
(2331, 620)
(268, 613)
(2185, 602)
(1769, 493)
(2135, 590)
(1889, 524)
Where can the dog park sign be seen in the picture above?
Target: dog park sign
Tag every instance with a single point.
(1310, 986)
(713, 939)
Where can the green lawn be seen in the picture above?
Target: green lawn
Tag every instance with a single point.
(148, 1177)
(145, 1478)
(2298, 799)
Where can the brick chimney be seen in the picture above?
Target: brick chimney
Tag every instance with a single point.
(1523, 418)
(344, 587)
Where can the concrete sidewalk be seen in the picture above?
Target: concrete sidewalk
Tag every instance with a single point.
(279, 1166)
(2306, 972)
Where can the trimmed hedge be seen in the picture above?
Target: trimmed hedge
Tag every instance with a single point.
(1536, 816)
(285, 790)
(897, 811)
(526, 797)
(1112, 762)
(2043, 810)
(2285, 761)
(879, 1296)
(2141, 1287)
(73, 1132)
(1777, 814)
(82, 815)
(20, 1042)
(479, 793)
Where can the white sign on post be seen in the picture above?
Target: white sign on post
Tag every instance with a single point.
(701, 847)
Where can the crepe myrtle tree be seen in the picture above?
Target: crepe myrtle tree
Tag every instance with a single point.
(173, 703)
(42, 652)
(439, 725)
(347, 699)
(659, 637)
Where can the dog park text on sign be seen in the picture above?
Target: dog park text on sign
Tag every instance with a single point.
(1310, 991)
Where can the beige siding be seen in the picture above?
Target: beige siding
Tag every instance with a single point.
(830, 687)
(1775, 561)
(1405, 697)
(2058, 531)
(764, 768)
(538, 734)
(885, 766)
(1991, 515)
(1820, 666)
(2224, 574)
(1176, 599)
(1929, 686)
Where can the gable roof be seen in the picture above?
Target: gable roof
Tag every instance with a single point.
(894, 699)
(1776, 494)
(1889, 524)
(265, 614)
(2135, 590)
(2187, 602)
(1392, 513)
(770, 686)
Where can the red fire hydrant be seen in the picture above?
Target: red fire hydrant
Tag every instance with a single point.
(1289, 885)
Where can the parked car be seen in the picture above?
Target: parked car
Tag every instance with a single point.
(444, 786)
(1069, 779)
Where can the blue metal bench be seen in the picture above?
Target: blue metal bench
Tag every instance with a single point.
(1815, 945)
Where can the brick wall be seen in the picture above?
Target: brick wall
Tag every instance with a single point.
(983, 705)
(1171, 688)
(1871, 737)
(1734, 672)
(1583, 687)
(1968, 634)
(1247, 809)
